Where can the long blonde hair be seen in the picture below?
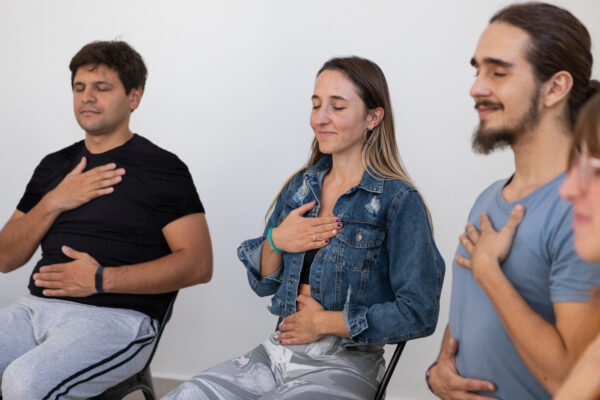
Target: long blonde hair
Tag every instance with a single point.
(380, 154)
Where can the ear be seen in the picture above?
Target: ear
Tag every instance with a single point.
(374, 118)
(135, 97)
(557, 88)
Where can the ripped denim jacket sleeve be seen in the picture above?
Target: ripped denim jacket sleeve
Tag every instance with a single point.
(416, 272)
(250, 253)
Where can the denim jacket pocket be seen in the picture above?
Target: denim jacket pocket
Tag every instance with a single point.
(359, 246)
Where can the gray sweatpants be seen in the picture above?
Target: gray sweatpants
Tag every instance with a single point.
(55, 349)
(319, 370)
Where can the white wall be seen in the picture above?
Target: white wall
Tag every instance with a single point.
(229, 91)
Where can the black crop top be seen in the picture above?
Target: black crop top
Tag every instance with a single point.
(309, 256)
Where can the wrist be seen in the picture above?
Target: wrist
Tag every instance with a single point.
(50, 204)
(320, 322)
(271, 238)
(488, 273)
(99, 280)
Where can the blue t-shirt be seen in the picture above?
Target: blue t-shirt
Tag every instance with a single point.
(543, 268)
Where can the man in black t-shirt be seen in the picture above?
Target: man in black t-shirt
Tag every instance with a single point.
(121, 228)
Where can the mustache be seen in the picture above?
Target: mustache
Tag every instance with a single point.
(488, 104)
(89, 108)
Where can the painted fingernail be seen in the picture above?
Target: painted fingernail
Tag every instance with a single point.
(338, 220)
(280, 342)
(326, 240)
(339, 225)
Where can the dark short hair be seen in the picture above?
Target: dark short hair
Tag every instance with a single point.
(558, 42)
(116, 55)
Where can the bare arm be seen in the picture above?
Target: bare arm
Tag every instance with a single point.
(548, 350)
(22, 234)
(583, 382)
(189, 263)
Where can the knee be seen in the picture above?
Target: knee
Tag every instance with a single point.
(21, 383)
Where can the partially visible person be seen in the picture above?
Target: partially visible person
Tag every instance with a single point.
(121, 229)
(582, 188)
(348, 255)
(520, 316)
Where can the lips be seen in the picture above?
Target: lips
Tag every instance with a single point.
(89, 111)
(580, 219)
(486, 107)
(326, 133)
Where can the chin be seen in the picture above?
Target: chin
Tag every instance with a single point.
(325, 149)
(587, 250)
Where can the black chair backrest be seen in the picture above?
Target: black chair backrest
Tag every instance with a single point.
(143, 379)
(161, 327)
(380, 394)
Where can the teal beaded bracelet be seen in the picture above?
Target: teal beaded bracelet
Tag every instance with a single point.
(275, 249)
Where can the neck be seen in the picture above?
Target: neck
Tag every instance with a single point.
(100, 143)
(347, 168)
(540, 155)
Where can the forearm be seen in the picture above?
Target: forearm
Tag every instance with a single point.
(332, 323)
(582, 385)
(537, 341)
(583, 382)
(445, 339)
(23, 233)
(166, 274)
(270, 261)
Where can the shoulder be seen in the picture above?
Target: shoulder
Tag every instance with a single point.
(398, 188)
(156, 155)
(403, 199)
(491, 191)
(296, 181)
(64, 156)
(401, 193)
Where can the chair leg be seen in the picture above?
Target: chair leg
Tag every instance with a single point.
(149, 389)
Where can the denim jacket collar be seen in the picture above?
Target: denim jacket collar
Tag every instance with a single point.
(314, 175)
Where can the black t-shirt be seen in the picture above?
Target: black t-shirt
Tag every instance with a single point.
(121, 228)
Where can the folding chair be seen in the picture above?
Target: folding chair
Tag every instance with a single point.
(380, 394)
(143, 379)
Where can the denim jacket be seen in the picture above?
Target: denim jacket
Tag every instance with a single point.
(382, 269)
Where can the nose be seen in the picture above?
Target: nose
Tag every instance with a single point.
(88, 95)
(480, 88)
(570, 190)
(320, 116)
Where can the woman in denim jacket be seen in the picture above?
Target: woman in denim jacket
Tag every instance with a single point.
(348, 254)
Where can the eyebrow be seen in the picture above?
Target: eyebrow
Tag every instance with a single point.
(491, 60)
(314, 96)
(93, 83)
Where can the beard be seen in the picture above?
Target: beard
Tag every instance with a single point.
(485, 141)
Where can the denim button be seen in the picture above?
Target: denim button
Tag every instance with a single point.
(358, 236)
(320, 253)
